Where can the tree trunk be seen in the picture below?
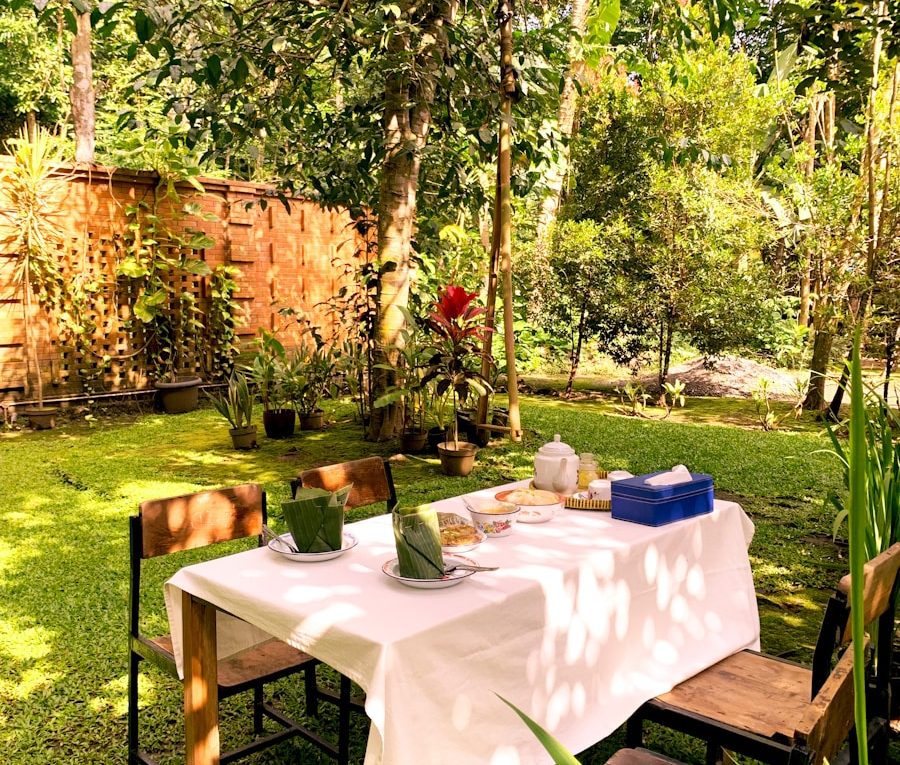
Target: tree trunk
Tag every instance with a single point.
(576, 350)
(407, 120)
(508, 89)
(803, 314)
(818, 369)
(876, 199)
(667, 358)
(81, 94)
(31, 356)
(568, 103)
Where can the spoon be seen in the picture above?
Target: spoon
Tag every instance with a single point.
(467, 567)
(271, 536)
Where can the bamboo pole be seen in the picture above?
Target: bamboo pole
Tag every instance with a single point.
(490, 307)
(504, 167)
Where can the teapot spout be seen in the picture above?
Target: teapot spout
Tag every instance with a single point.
(561, 479)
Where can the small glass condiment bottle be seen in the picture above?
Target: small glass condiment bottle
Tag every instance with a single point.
(587, 470)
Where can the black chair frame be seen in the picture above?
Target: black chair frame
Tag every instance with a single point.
(143, 649)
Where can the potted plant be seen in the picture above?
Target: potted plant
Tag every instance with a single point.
(236, 406)
(29, 187)
(269, 371)
(409, 389)
(178, 391)
(318, 370)
(456, 325)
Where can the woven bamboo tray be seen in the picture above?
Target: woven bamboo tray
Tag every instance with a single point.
(576, 503)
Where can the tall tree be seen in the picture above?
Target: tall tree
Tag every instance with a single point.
(601, 17)
(371, 101)
(81, 93)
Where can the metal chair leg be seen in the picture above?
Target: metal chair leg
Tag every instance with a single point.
(312, 690)
(258, 710)
(634, 731)
(344, 722)
(133, 662)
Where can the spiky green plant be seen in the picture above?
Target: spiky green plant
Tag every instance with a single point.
(30, 204)
(236, 405)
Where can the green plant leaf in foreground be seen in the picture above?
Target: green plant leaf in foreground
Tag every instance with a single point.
(559, 753)
(858, 526)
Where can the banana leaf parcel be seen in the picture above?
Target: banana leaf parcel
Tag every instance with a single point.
(315, 518)
(418, 540)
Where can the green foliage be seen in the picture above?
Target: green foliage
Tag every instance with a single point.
(765, 411)
(559, 753)
(879, 458)
(29, 73)
(268, 370)
(236, 405)
(409, 388)
(160, 248)
(221, 321)
(30, 190)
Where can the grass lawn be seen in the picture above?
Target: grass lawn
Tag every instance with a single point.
(64, 556)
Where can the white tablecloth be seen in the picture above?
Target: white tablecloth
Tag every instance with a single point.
(586, 619)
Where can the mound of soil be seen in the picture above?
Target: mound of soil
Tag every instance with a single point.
(730, 376)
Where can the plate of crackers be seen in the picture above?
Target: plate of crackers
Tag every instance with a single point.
(458, 534)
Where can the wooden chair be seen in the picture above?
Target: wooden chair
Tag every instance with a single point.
(371, 478)
(171, 525)
(756, 705)
(821, 728)
(372, 482)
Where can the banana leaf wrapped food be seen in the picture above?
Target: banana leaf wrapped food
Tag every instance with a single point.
(315, 518)
(418, 541)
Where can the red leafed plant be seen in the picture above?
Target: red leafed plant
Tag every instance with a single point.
(457, 325)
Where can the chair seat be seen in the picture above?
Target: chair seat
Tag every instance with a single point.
(749, 691)
(265, 661)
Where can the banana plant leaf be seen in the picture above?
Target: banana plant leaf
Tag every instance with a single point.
(418, 541)
(315, 518)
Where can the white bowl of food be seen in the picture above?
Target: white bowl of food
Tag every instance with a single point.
(491, 516)
(536, 505)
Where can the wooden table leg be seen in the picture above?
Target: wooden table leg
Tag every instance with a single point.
(201, 700)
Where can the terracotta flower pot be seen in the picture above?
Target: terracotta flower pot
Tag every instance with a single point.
(179, 395)
(313, 421)
(41, 418)
(279, 423)
(413, 442)
(459, 459)
(243, 438)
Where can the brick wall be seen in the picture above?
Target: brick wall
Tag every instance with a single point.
(296, 259)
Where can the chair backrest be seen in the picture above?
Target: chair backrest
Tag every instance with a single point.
(371, 479)
(196, 520)
(164, 526)
(829, 718)
(880, 576)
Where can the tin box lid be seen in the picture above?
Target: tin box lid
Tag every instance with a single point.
(637, 487)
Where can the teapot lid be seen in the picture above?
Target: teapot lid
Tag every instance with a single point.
(556, 448)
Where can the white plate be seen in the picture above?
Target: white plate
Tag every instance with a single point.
(349, 543)
(392, 569)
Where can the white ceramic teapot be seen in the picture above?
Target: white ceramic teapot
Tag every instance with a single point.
(556, 467)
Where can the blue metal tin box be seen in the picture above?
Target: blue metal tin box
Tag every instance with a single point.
(633, 500)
